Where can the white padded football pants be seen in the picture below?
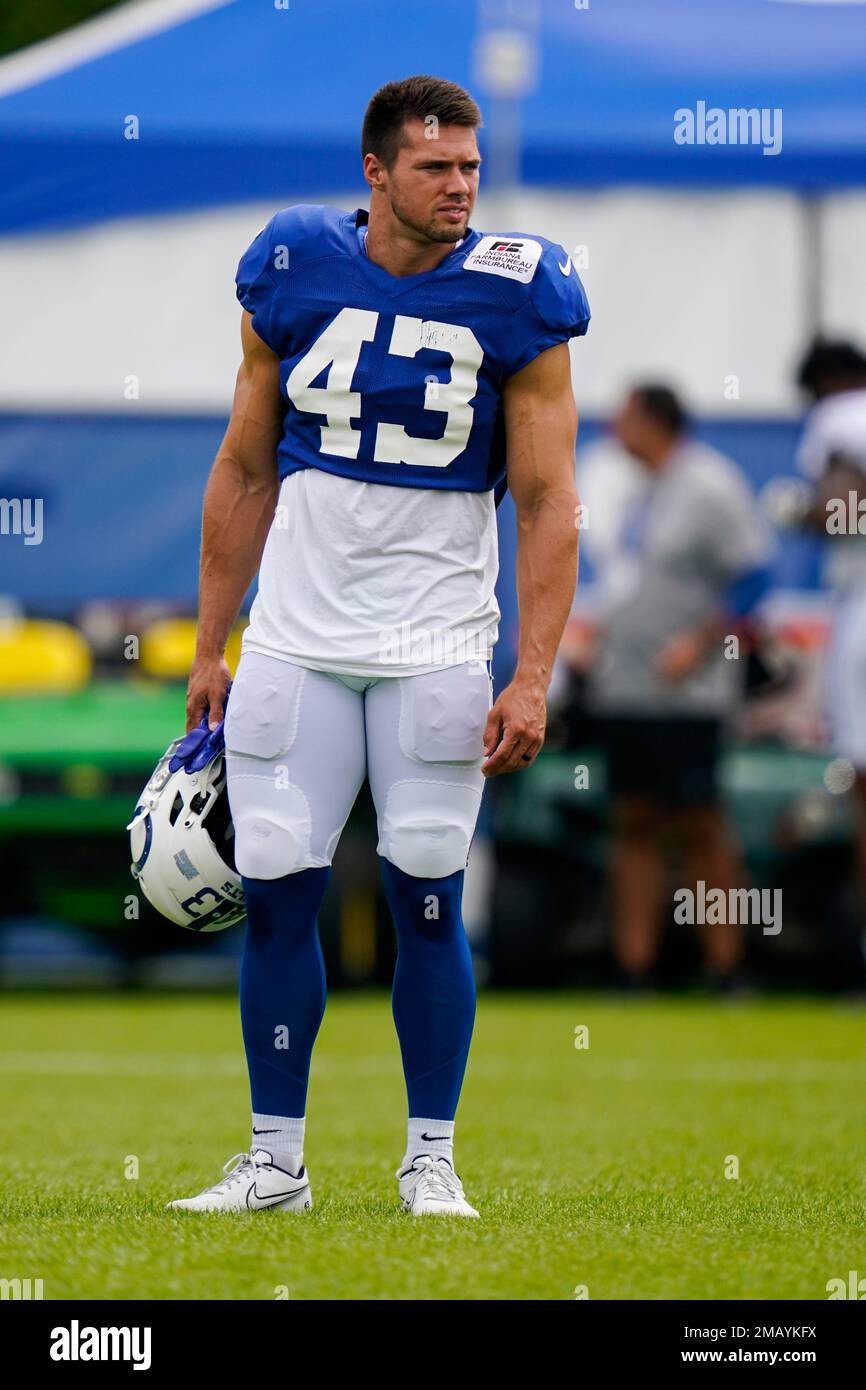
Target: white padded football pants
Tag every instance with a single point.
(299, 743)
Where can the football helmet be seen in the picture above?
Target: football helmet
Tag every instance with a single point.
(182, 837)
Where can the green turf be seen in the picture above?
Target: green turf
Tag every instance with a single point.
(602, 1167)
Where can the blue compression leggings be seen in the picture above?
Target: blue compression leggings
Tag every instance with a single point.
(282, 988)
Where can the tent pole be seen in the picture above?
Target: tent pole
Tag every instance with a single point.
(813, 250)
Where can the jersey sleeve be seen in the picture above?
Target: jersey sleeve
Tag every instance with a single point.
(556, 309)
(255, 281)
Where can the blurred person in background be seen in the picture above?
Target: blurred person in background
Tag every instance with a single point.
(832, 455)
(692, 564)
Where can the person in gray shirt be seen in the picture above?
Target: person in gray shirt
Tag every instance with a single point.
(692, 563)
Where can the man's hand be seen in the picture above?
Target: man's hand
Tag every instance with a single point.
(209, 679)
(515, 728)
(580, 647)
(681, 655)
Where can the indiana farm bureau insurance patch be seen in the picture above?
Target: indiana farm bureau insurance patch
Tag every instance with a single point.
(513, 257)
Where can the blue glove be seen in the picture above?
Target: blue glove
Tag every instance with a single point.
(200, 746)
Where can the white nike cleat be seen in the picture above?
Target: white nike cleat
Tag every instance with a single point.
(432, 1188)
(253, 1183)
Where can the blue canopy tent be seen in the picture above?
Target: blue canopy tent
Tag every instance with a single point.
(248, 101)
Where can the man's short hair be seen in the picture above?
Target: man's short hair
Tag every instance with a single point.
(661, 404)
(836, 360)
(413, 98)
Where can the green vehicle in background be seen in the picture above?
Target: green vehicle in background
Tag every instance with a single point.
(71, 768)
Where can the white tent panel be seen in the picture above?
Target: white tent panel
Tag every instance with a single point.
(688, 288)
(843, 265)
(692, 288)
(150, 300)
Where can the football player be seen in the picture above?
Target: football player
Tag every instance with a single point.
(832, 455)
(398, 368)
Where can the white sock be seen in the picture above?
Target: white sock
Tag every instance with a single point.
(283, 1137)
(429, 1137)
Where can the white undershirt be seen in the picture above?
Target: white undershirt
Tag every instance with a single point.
(368, 579)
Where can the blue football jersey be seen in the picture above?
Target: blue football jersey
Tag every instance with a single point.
(398, 379)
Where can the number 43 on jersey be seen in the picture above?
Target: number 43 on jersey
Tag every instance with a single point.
(339, 348)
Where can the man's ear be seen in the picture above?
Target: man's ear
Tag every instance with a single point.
(374, 171)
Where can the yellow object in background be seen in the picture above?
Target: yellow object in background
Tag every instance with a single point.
(41, 656)
(168, 648)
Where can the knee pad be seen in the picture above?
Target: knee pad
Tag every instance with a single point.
(427, 827)
(269, 843)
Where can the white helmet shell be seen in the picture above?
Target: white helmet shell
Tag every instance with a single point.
(182, 842)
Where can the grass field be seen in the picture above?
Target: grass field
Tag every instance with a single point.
(602, 1167)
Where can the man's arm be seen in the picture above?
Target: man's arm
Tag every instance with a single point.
(540, 429)
(239, 504)
(685, 651)
(736, 551)
(841, 478)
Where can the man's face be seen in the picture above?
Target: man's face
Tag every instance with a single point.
(633, 429)
(831, 383)
(433, 183)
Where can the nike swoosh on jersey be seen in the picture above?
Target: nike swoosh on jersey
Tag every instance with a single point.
(565, 269)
